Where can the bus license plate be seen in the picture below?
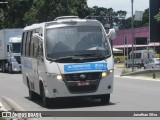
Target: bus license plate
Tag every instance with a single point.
(83, 84)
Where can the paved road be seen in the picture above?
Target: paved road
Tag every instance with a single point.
(129, 95)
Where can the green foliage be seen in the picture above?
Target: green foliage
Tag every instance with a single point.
(1, 18)
(19, 13)
(157, 17)
(14, 13)
(143, 23)
(108, 16)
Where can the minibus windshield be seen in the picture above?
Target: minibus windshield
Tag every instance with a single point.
(80, 41)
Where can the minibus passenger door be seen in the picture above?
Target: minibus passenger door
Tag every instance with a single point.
(40, 59)
(34, 70)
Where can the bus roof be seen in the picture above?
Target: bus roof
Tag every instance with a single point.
(87, 22)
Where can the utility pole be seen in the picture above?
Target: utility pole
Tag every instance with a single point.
(132, 36)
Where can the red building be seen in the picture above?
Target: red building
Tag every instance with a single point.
(138, 33)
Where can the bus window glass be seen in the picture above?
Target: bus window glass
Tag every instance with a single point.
(66, 41)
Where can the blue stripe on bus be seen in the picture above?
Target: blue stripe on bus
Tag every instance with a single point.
(85, 67)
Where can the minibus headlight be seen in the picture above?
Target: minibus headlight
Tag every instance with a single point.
(57, 76)
(110, 71)
(104, 74)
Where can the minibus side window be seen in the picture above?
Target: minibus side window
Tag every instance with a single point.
(40, 50)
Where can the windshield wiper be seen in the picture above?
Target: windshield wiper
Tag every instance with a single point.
(90, 55)
(64, 58)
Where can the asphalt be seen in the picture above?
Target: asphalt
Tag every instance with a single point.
(6, 104)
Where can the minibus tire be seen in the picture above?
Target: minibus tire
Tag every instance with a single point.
(105, 99)
(45, 100)
(32, 95)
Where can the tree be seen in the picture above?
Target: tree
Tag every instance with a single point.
(14, 13)
(157, 17)
(19, 13)
(143, 23)
(107, 15)
(48, 10)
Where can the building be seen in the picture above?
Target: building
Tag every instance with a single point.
(142, 32)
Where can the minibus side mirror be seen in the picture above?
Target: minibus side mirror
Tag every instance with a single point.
(36, 37)
(111, 34)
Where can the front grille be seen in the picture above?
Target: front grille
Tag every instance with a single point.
(18, 59)
(81, 89)
(72, 81)
(76, 76)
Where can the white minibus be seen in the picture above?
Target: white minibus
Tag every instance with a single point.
(141, 57)
(68, 57)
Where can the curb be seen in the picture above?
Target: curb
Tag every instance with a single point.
(12, 106)
(139, 78)
(2, 108)
(140, 72)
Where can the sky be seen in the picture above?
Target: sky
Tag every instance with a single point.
(139, 5)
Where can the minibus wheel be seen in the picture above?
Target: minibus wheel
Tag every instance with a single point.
(45, 100)
(105, 99)
(32, 95)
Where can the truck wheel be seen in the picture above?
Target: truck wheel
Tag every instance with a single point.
(45, 100)
(3, 67)
(10, 69)
(105, 99)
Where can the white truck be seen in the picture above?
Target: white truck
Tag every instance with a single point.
(10, 42)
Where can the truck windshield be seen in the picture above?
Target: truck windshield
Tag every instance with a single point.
(81, 41)
(16, 47)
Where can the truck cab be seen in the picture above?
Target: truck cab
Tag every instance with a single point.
(13, 50)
